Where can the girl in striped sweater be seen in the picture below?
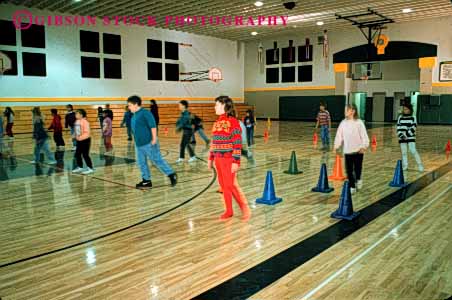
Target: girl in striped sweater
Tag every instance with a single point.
(225, 150)
(406, 131)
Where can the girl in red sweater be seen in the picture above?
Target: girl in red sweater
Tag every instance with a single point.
(225, 150)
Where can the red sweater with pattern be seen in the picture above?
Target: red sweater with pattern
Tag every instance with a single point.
(226, 139)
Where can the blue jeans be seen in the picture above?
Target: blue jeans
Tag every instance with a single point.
(153, 153)
(325, 135)
(43, 145)
(74, 141)
(250, 135)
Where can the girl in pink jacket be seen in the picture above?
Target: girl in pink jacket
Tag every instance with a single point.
(83, 138)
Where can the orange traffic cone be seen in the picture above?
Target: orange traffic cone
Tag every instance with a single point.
(165, 131)
(448, 149)
(338, 174)
(266, 134)
(374, 141)
(315, 139)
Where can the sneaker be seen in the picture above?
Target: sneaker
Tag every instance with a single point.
(33, 162)
(192, 159)
(145, 184)
(52, 162)
(88, 171)
(179, 161)
(352, 190)
(77, 170)
(173, 178)
(359, 184)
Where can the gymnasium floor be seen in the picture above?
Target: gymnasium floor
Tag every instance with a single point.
(70, 236)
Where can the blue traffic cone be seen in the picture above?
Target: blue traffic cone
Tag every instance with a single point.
(345, 210)
(322, 185)
(269, 196)
(399, 179)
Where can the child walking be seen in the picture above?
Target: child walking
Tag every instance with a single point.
(250, 123)
(107, 132)
(353, 136)
(41, 138)
(324, 121)
(82, 135)
(147, 146)
(9, 116)
(57, 129)
(184, 124)
(406, 131)
(127, 121)
(225, 151)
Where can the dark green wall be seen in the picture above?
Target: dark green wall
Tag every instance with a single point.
(434, 114)
(305, 108)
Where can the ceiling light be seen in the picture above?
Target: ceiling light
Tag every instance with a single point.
(77, 0)
(258, 3)
(254, 33)
(320, 23)
(407, 10)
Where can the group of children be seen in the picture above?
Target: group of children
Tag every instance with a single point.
(352, 136)
(230, 137)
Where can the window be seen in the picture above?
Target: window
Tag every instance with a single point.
(34, 64)
(89, 41)
(288, 74)
(154, 71)
(272, 75)
(8, 33)
(90, 67)
(112, 43)
(34, 37)
(12, 55)
(112, 68)
(305, 73)
(172, 72)
(154, 48)
(171, 50)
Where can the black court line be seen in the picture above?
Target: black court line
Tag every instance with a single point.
(116, 231)
(133, 225)
(262, 275)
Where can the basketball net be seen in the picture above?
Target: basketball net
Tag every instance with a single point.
(364, 78)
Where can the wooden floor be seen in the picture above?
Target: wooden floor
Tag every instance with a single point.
(67, 236)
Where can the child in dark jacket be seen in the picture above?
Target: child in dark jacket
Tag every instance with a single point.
(127, 121)
(250, 123)
(57, 129)
(41, 138)
(184, 124)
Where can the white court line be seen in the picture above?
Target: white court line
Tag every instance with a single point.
(357, 258)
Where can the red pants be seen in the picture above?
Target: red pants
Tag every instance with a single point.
(229, 185)
(107, 143)
(9, 129)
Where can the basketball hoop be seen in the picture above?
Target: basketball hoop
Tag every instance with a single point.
(215, 75)
(5, 63)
